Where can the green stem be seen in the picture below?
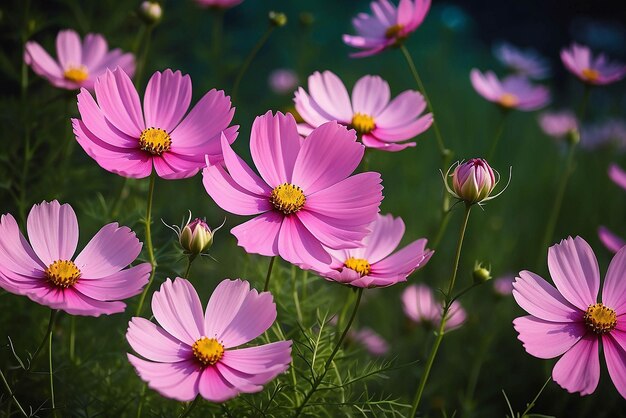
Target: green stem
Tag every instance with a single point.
(149, 247)
(189, 261)
(319, 378)
(269, 274)
(142, 396)
(117, 203)
(249, 60)
(532, 403)
(50, 372)
(443, 225)
(142, 42)
(446, 154)
(442, 323)
(12, 395)
(53, 314)
(190, 408)
(72, 338)
(499, 132)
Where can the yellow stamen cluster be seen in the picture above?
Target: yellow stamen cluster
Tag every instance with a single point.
(508, 100)
(62, 273)
(590, 74)
(360, 265)
(362, 123)
(207, 351)
(600, 319)
(393, 31)
(76, 74)
(156, 141)
(287, 198)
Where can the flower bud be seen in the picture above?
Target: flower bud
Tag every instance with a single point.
(473, 180)
(151, 12)
(278, 19)
(196, 237)
(573, 136)
(481, 274)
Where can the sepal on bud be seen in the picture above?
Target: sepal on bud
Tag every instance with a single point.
(195, 237)
(473, 181)
(481, 274)
(151, 12)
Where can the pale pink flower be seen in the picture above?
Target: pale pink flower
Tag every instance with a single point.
(606, 133)
(283, 80)
(525, 62)
(569, 320)
(78, 64)
(610, 240)
(46, 271)
(304, 197)
(372, 264)
(513, 92)
(558, 124)
(380, 123)
(387, 26)
(503, 286)
(596, 71)
(126, 140)
(219, 4)
(420, 306)
(190, 352)
(371, 341)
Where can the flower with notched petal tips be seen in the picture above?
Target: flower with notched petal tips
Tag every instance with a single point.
(595, 71)
(525, 62)
(611, 241)
(420, 306)
(513, 92)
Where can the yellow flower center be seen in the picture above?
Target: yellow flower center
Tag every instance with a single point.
(63, 273)
(155, 140)
(590, 74)
(360, 265)
(362, 123)
(508, 100)
(287, 198)
(207, 351)
(393, 31)
(76, 74)
(600, 319)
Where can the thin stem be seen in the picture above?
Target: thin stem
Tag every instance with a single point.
(151, 258)
(50, 371)
(72, 338)
(12, 394)
(443, 225)
(266, 287)
(117, 203)
(189, 261)
(532, 403)
(143, 39)
(499, 132)
(249, 60)
(442, 323)
(142, 396)
(445, 153)
(53, 314)
(190, 408)
(319, 378)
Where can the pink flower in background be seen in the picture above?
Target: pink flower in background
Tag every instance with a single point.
(525, 62)
(78, 63)
(305, 196)
(503, 286)
(219, 4)
(513, 92)
(386, 26)
(380, 123)
(420, 306)
(283, 80)
(611, 241)
(190, 352)
(607, 133)
(372, 264)
(126, 140)
(597, 71)
(371, 341)
(558, 124)
(91, 284)
(569, 320)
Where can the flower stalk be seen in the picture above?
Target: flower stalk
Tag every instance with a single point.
(149, 246)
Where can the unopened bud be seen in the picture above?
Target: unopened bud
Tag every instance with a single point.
(473, 181)
(151, 12)
(481, 274)
(278, 19)
(573, 136)
(196, 237)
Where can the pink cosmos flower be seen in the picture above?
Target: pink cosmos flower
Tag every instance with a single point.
(190, 353)
(371, 341)
(283, 80)
(420, 306)
(127, 141)
(558, 124)
(219, 4)
(611, 241)
(503, 286)
(305, 196)
(607, 133)
(513, 92)
(387, 26)
(525, 62)
(597, 71)
(380, 123)
(569, 320)
(372, 264)
(79, 63)
(91, 284)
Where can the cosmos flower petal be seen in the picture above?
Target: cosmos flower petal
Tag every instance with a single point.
(329, 93)
(214, 387)
(406, 260)
(371, 141)
(310, 111)
(370, 95)
(298, 246)
(178, 380)
(615, 355)
(120, 285)
(223, 306)
(259, 235)
(152, 342)
(456, 316)
(41, 62)
(614, 288)
(419, 303)
(579, 368)
(617, 175)
(176, 307)
(73, 302)
(405, 108)
(611, 241)
(16, 254)
(94, 49)
(402, 133)
(69, 49)
(545, 339)
(386, 233)
(119, 102)
(167, 99)
(538, 298)
(53, 231)
(260, 359)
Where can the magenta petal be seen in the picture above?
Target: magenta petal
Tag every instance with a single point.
(298, 246)
(255, 315)
(614, 346)
(274, 145)
(617, 175)
(110, 250)
(259, 235)
(614, 288)
(370, 95)
(224, 305)
(41, 62)
(153, 343)
(167, 99)
(256, 360)
(538, 298)
(402, 110)
(611, 241)
(404, 261)
(241, 173)
(419, 303)
(176, 306)
(310, 111)
(178, 380)
(120, 285)
(546, 339)
(73, 302)
(579, 368)
(213, 387)
(94, 49)
(456, 316)
(372, 142)
(53, 231)
(386, 233)
(16, 254)
(331, 232)
(574, 270)
(329, 92)
(69, 49)
(119, 101)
